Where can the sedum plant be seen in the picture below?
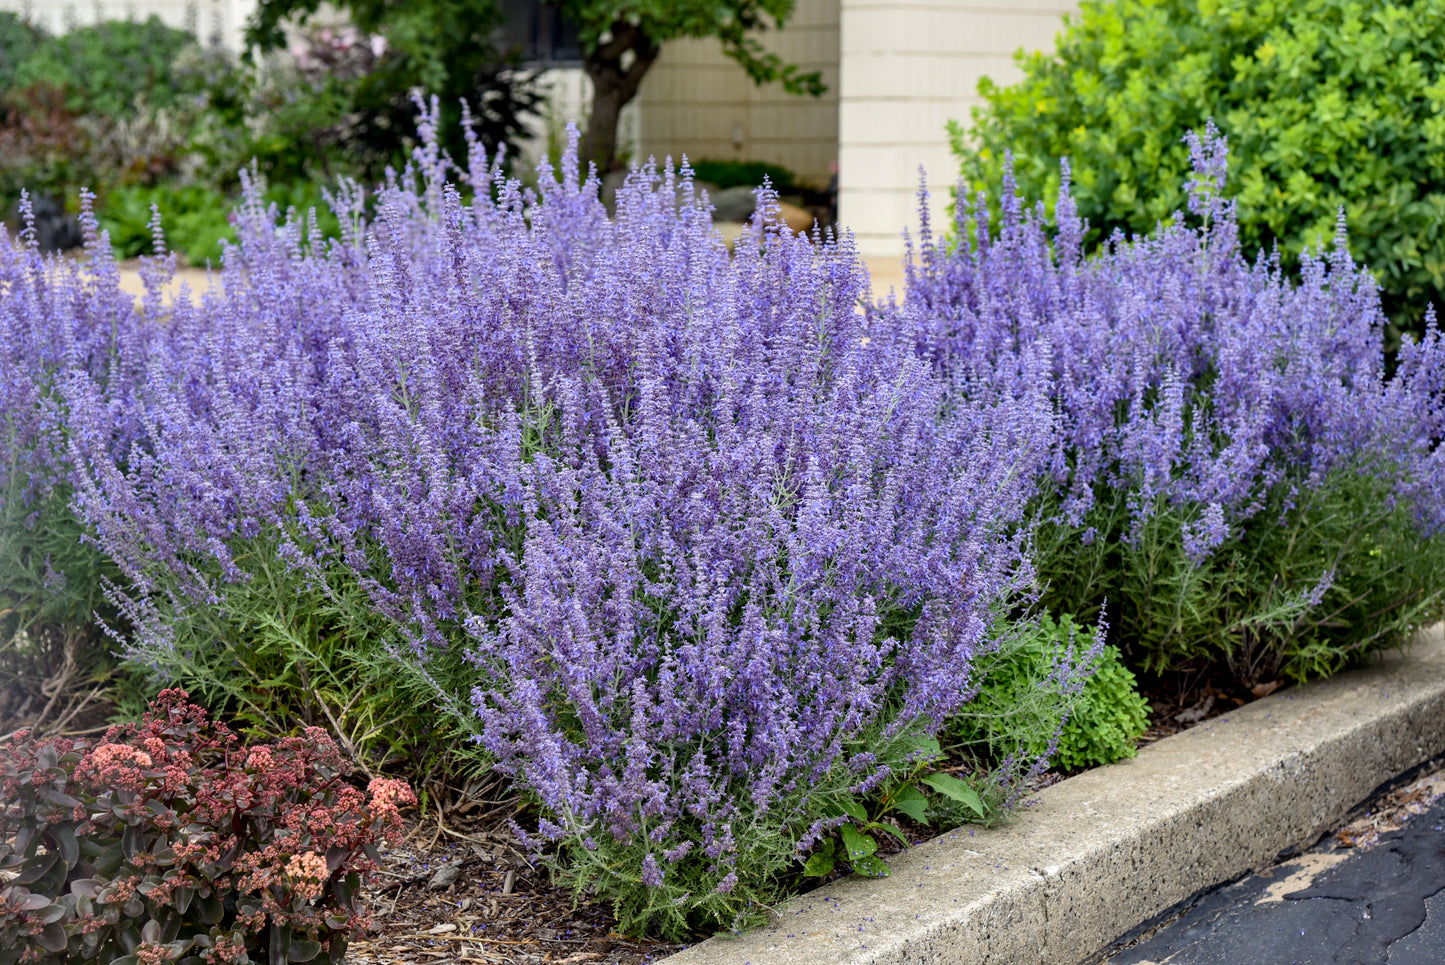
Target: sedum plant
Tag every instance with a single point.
(166, 841)
(1233, 473)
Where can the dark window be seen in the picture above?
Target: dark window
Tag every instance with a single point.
(537, 31)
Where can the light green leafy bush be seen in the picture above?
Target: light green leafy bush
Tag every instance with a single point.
(1096, 725)
(1326, 104)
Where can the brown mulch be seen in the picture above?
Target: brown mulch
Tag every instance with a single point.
(469, 894)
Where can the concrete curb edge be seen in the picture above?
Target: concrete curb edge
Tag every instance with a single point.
(1095, 855)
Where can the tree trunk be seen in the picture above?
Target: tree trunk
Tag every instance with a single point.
(612, 88)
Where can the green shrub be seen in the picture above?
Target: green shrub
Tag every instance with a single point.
(196, 217)
(165, 841)
(1326, 104)
(1341, 573)
(1098, 725)
(108, 69)
(750, 174)
(18, 40)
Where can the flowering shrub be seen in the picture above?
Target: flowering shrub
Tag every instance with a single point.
(58, 315)
(166, 841)
(691, 545)
(1234, 474)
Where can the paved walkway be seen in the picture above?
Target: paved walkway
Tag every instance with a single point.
(1382, 900)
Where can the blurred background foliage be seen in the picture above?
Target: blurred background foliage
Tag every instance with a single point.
(178, 121)
(1327, 104)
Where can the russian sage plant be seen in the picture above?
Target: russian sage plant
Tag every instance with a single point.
(1234, 473)
(690, 545)
(57, 315)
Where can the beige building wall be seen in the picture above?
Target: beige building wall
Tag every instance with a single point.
(696, 101)
(908, 67)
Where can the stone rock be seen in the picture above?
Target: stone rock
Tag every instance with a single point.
(731, 231)
(55, 230)
(733, 204)
(699, 188)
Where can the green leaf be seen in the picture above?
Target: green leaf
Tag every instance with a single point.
(880, 826)
(856, 843)
(819, 863)
(910, 801)
(871, 867)
(64, 837)
(52, 938)
(304, 951)
(951, 787)
(924, 749)
(852, 808)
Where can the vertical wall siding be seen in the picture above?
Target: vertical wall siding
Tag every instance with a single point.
(696, 101)
(908, 67)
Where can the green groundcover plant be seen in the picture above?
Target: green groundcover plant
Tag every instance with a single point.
(1097, 725)
(1326, 103)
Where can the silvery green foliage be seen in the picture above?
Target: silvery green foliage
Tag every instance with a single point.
(1229, 445)
(711, 541)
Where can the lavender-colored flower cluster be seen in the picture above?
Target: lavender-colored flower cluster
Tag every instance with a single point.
(710, 538)
(1189, 383)
(52, 319)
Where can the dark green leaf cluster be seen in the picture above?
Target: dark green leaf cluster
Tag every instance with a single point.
(445, 47)
(902, 794)
(112, 69)
(196, 217)
(1327, 104)
(163, 841)
(743, 174)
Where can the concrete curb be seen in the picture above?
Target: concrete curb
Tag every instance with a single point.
(1099, 853)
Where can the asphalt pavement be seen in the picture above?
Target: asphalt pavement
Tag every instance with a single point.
(1360, 896)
